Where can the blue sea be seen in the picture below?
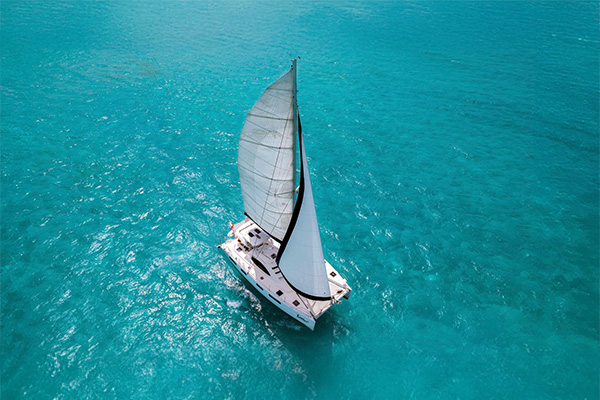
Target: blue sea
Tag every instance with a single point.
(454, 154)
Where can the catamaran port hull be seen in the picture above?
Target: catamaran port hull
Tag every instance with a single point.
(310, 323)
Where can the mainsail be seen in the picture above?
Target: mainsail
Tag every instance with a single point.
(266, 158)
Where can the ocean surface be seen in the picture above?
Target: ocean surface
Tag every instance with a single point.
(454, 153)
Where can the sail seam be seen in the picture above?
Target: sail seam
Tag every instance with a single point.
(273, 166)
(265, 117)
(272, 211)
(266, 177)
(262, 127)
(276, 163)
(264, 145)
(259, 158)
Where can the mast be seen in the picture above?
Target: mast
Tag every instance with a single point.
(295, 118)
(294, 92)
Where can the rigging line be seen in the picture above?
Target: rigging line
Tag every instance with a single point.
(307, 306)
(269, 89)
(265, 117)
(273, 166)
(264, 145)
(278, 200)
(256, 106)
(336, 284)
(272, 237)
(264, 176)
(282, 213)
(279, 152)
(263, 128)
(280, 90)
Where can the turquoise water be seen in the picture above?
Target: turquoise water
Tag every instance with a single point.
(455, 160)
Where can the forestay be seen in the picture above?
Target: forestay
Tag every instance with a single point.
(266, 158)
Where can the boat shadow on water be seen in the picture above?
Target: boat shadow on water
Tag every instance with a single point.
(310, 349)
(281, 325)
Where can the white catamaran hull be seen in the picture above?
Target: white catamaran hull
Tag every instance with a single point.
(250, 259)
(277, 248)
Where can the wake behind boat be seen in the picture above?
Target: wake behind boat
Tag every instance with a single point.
(277, 247)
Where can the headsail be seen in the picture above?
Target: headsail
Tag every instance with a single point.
(266, 158)
(300, 257)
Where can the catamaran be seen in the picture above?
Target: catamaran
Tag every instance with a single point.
(277, 247)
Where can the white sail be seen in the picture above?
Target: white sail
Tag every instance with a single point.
(301, 258)
(266, 158)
